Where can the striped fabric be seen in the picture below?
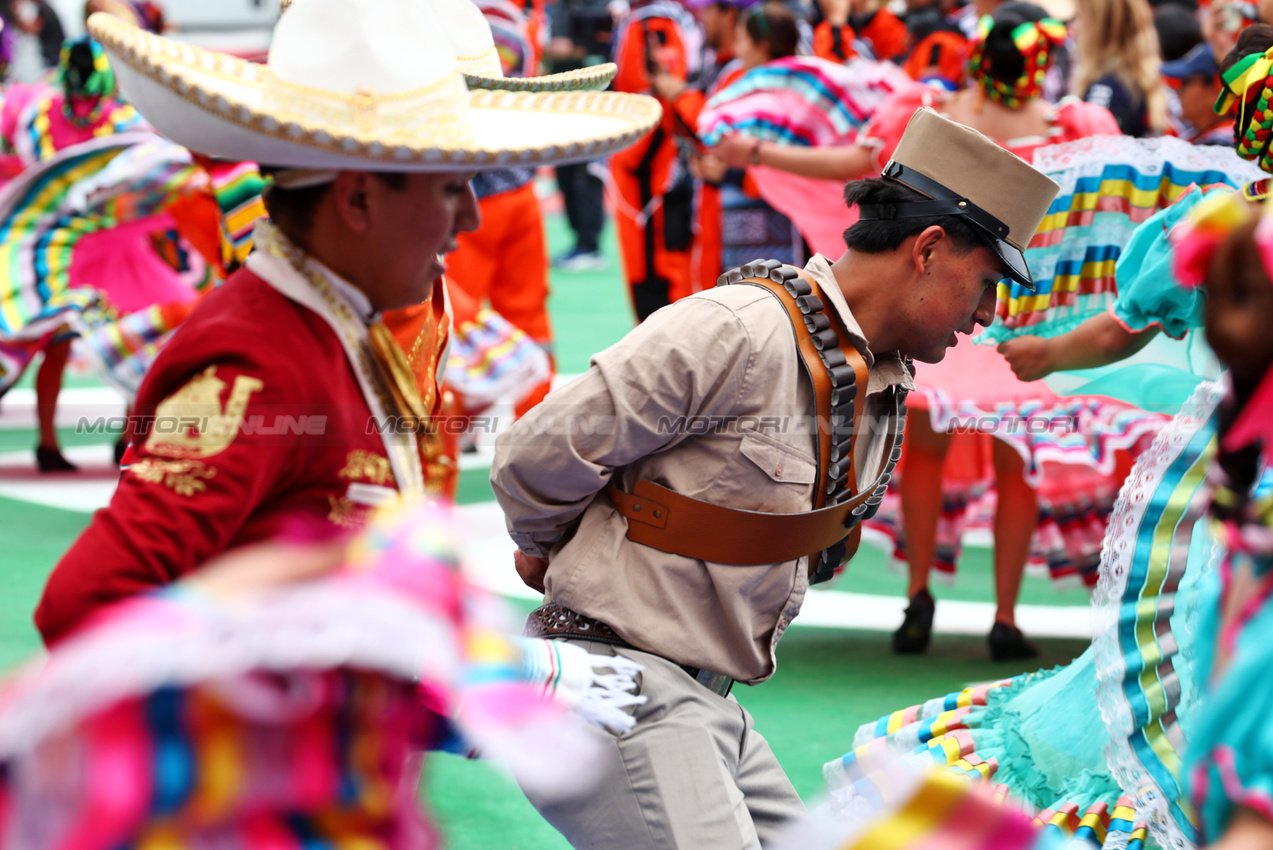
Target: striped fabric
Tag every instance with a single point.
(801, 100)
(283, 720)
(1139, 684)
(82, 190)
(1109, 185)
(490, 360)
(940, 810)
(237, 187)
(123, 349)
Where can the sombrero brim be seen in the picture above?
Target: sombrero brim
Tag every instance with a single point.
(213, 103)
(582, 79)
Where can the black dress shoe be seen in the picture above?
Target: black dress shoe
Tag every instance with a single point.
(50, 459)
(1008, 644)
(917, 629)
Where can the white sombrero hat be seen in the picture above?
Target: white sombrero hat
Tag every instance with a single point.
(363, 85)
(474, 46)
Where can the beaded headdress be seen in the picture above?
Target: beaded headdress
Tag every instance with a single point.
(1248, 91)
(1036, 41)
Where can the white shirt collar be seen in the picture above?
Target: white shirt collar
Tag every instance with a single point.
(357, 299)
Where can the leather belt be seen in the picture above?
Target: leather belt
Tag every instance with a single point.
(553, 621)
(670, 522)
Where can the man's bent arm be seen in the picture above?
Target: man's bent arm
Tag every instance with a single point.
(690, 360)
(169, 514)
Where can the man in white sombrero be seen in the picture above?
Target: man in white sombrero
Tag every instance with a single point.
(284, 395)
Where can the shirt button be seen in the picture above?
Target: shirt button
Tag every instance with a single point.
(778, 471)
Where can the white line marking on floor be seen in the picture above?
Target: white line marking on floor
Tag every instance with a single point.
(488, 556)
(17, 407)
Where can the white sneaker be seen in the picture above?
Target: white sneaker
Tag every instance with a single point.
(581, 261)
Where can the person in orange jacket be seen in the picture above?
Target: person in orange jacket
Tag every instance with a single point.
(656, 41)
(866, 22)
(719, 21)
(505, 261)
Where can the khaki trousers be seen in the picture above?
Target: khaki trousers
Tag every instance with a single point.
(692, 775)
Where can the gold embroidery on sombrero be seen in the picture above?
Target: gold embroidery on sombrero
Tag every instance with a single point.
(190, 74)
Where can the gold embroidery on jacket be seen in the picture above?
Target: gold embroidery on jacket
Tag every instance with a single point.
(362, 465)
(192, 423)
(184, 477)
(345, 513)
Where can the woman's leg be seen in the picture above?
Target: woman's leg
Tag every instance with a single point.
(921, 487)
(921, 491)
(48, 385)
(1016, 515)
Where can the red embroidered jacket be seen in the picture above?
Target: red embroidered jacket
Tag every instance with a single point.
(250, 417)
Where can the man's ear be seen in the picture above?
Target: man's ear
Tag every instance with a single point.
(350, 193)
(926, 245)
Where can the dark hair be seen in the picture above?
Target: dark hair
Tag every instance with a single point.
(293, 209)
(1256, 38)
(1237, 258)
(773, 24)
(1178, 31)
(878, 236)
(1005, 62)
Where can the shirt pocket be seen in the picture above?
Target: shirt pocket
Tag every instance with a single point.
(780, 461)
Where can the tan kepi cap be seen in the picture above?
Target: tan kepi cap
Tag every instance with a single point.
(966, 173)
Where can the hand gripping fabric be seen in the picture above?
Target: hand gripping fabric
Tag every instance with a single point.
(828, 534)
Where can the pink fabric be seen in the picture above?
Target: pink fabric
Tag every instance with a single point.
(20, 98)
(981, 374)
(122, 264)
(815, 207)
(1071, 121)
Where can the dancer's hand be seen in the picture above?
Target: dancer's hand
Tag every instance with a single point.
(735, 150)
(710, 169)
(667, 86)
(531, 569)
(1029, 356)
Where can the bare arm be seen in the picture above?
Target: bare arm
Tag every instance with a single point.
(1099, 341)
(1247, 830)
(842, 163)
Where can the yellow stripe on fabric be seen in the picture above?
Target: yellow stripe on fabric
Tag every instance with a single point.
(32, 212)
(932, 805)
(896, 721)
(222, 757)
(965, 697)
(241, 218)
(161, 836)
(1093, 821)
(1156, 735)
(1159, 565)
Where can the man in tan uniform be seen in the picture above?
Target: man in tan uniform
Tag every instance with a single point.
(707, 398)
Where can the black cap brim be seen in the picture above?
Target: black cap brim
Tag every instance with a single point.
(945, 202)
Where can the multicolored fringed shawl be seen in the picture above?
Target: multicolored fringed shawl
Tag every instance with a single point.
(490, 360)
(801, 100)
(1109, 186)
(237, 187)
(285, 717)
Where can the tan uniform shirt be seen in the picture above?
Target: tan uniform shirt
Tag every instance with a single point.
(707, 398)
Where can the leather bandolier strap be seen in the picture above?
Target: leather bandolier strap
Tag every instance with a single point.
(828, 534)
